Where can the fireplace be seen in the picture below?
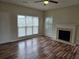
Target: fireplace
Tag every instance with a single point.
(64, 35)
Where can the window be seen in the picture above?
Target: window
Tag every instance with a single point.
(27, 25)
(49, 26)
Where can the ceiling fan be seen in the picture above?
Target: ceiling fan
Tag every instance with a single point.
(47, 1)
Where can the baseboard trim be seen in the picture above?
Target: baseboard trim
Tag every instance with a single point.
(21, 39)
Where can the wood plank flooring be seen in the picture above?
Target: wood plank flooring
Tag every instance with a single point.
(38, 48)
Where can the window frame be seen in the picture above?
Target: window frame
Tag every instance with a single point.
(28, 26)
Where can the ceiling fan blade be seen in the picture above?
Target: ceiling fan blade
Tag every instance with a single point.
(37, 1)
(53, 1)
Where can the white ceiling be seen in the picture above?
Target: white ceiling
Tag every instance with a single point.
(40, 5)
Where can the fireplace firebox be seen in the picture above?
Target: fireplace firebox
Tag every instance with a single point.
(64, 35)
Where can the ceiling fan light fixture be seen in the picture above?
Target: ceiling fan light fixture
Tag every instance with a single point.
(46, 2)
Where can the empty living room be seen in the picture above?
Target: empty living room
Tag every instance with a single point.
(39, 29)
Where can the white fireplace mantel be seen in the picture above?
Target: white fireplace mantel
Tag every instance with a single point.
(69, 27)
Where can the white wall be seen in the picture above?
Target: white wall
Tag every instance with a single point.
(66, 15)
(4, 27)
(8, 20)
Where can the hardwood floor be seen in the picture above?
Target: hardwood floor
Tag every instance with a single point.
(39, 48)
